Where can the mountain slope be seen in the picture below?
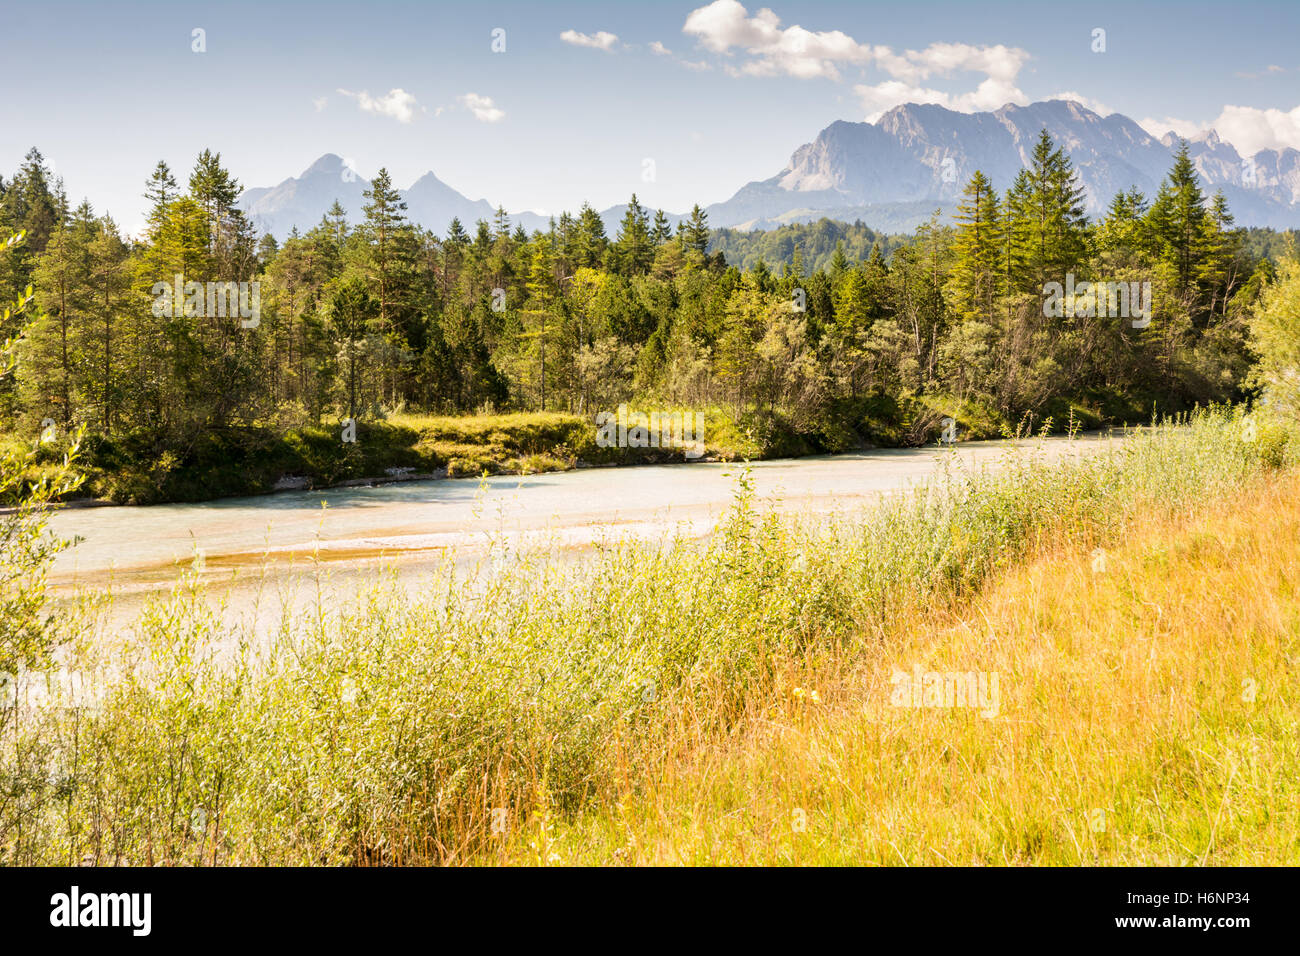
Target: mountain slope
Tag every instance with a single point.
(892, 174)
(303, 200)
(918, 158)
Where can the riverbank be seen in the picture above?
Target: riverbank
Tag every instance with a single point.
(287, 542)
(1133, 704)
(144, 467)
(539, 710)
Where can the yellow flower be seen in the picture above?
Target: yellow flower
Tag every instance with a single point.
(798, 693)
(816, 697)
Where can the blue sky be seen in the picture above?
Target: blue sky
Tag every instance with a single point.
(580, 99)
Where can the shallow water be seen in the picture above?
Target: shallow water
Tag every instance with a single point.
(266, 552)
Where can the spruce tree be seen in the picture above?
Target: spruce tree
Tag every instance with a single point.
(977, 247)
(696, 234)
(633, 247)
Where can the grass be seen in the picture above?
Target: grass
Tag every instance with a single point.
(1148, 716)
(642, 707)
(145, 466)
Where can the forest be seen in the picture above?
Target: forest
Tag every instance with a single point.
(827, 331)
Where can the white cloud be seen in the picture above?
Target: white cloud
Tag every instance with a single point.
(1250, 129)
(991, 94)
(1000, 64)
(319, 102)
(1097, 106)
(483, 108)
(597, 41)
(725, 27)
(793, 51)
(759, 45)
(1247, 128)
(882, 97)
(1271, 70)
(397, 103)
(1170, 124)
(658, 49)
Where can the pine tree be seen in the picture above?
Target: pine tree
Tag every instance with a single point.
(1047, 206)
(53, 353)
(1122, 234)
(160, 191)
(590, 240)
(978, 245)
(352, 311)
(29, 203)
(633, 249)
(661, 231)
(500, 223)
(543, 293)
(456, 234)
(796, 271)
(839, 261)
(213, 188)
(1218, 270)
(1177, 219)
(388, 256)
(696, 233)
(110, 279)
(29, 206)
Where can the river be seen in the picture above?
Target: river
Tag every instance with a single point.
(258, 553)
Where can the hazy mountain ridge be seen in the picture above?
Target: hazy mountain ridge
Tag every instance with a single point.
(895, 168)
(892, 174)
(301, 201)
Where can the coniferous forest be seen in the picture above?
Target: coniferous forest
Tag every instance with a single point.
(830, 333)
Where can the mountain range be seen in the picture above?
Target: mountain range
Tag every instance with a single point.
(891, 174)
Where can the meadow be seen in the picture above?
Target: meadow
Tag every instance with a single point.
(729, 701)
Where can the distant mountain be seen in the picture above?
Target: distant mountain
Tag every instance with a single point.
(891, 174)
(303, 200)
(433, 204)
(894, 173)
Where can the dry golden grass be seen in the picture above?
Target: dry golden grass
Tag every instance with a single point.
(1148, 715)
(728, 700)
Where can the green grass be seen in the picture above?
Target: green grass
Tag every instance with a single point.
(145, 467)
(142, 467)
(390, 729)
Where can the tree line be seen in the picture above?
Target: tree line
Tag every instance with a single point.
(364, 319)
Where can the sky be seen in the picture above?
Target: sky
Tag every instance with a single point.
(541, 106)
